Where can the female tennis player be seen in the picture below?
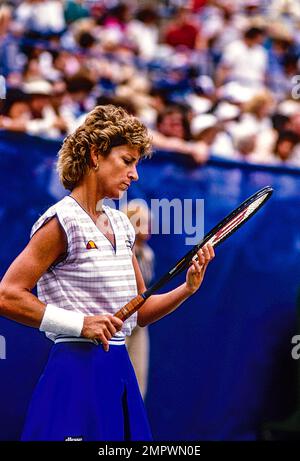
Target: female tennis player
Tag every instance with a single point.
(81, 257)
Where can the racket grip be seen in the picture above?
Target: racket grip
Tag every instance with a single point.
(130, 308)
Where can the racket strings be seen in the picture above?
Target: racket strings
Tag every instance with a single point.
(235, 222)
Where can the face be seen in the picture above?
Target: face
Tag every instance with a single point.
(172, 125)
(285, 149)
(143, 232)
(117, 171)
(19, 110)
(295, 124)
(141, 221)
(39, 102)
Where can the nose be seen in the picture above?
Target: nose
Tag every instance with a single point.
(133, 174)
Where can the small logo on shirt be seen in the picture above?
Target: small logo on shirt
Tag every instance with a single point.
(127, 243)
(91, 245)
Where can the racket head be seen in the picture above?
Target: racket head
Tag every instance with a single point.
(227, 226)
(237, 218)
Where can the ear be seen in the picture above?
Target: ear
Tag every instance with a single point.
(94, 155)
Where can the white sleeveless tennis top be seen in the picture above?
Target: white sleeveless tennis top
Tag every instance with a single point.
(94, 278)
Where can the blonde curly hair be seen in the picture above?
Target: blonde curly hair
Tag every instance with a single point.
(105, 127)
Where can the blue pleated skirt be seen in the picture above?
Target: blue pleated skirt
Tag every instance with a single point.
(87, 394)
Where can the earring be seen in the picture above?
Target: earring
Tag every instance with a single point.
(96, 167)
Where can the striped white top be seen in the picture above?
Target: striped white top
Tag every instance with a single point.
(95, 280)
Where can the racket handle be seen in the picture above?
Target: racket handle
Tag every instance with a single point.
(130, 308)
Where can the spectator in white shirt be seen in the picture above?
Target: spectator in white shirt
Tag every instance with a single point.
(245, 61)
(143, 32)
(42, 16)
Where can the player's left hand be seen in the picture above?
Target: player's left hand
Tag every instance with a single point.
(195, 274)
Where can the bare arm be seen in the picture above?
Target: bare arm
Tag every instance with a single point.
(16, 300)
(157, 306)
(19, 304)
(10, 124)
(196, 149)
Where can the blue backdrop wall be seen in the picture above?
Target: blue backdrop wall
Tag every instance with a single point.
(221, 364)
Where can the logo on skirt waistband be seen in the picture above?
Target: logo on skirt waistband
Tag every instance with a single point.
(74, 439)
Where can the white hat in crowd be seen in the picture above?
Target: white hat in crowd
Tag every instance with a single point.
(40, 87)
(226, 111)
(201, 122)
(237, 93)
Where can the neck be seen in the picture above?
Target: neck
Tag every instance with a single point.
(87, 197)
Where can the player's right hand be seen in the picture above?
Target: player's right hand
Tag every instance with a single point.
(101, 328)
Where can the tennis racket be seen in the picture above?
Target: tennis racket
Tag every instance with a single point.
(217, 235)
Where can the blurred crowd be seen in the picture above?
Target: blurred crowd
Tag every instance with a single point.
(208, 77)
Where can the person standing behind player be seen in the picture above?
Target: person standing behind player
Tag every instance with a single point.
(138, 343)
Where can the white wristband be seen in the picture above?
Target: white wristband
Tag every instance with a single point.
(60, 321)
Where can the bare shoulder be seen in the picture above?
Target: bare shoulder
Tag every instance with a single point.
(50, 237)
(46, 246)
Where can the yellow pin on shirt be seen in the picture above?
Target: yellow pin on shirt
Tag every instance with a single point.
(91, 245)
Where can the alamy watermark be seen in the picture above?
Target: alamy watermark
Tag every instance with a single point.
(162, 216)
(2, 348)
(296, 88)
(2, 87)
(295, 352)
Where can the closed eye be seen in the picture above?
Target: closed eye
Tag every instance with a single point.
(130, 161)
